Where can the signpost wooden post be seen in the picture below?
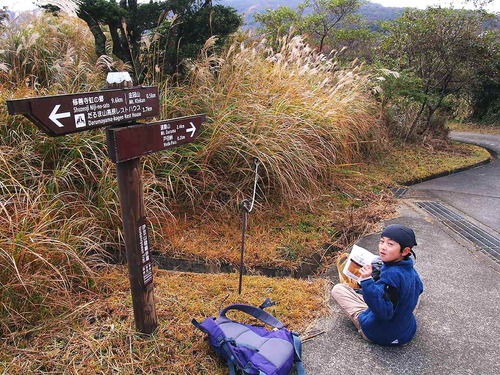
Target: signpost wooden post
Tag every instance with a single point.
(136, 238)
(119, 109)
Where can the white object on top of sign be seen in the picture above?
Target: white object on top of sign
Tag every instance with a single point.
(118, 77)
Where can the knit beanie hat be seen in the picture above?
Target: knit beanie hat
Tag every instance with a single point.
(401, 234)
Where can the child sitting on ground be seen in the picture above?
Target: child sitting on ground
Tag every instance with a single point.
(383, 313)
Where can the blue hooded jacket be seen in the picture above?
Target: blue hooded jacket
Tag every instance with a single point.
(389, 319)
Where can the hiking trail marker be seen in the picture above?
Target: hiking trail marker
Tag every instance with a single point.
(65, 114)
(118, 109)
(128, 142)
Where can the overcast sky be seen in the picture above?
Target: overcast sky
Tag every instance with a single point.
(17, 5)
(494, 7)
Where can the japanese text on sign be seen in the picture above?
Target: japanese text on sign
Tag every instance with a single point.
(147, 269)
(142, 139)
(65, 114)
(121, 107)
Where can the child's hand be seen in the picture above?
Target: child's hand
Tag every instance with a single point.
(366, 271)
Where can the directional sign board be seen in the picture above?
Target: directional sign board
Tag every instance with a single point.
(65, 114)
(126, 143)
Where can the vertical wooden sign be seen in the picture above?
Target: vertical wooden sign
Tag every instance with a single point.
(135, 234)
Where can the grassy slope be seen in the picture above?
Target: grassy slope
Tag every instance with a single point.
(283, 238)
(475, 128)
(98, 335)
(410, 164)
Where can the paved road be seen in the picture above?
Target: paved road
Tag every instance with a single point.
(458, 321)
(475, 192)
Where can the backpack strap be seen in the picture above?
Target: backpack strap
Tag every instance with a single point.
(297, 345)
(256, 312)
(212, 328)
(232, 369)
(267, 303)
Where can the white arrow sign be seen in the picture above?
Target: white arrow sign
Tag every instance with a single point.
(54, 116)
(192, 129)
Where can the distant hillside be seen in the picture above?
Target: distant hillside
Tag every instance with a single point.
(371, 12)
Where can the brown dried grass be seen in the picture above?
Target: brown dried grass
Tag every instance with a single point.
(98, 336)
(290, 108)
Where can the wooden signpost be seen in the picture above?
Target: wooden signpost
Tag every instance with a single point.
(64, 114)
(119, 109)
(126, 145)
(129, 142)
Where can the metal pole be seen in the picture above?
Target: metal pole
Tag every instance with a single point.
(243, 232)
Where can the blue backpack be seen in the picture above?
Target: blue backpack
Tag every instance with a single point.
(253, 349)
